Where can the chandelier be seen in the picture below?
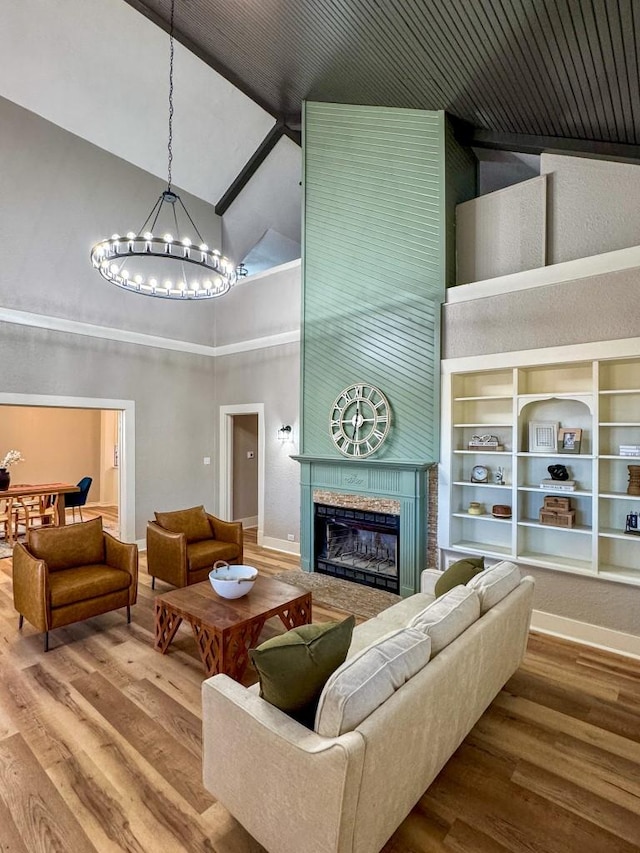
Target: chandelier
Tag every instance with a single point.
(139, 261)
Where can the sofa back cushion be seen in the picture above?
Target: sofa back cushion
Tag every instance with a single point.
(368, 679)
(493, 584)
(448, 617)
(458, 573)
(293, 667)
(192, 522)
(68, 546)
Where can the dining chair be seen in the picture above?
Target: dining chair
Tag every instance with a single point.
(6, 518)
(78, 499)
(44, 510)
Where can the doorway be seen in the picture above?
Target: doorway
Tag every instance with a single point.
(96, 434)
(242, 465)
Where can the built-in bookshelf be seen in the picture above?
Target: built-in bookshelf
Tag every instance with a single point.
(599, 397)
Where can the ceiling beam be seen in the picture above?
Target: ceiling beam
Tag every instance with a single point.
(251, 167)
(525, 144)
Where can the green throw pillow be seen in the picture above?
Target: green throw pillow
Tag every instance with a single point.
(293, 667)
(458, 573)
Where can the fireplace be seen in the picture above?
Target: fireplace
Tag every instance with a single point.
(357, 545)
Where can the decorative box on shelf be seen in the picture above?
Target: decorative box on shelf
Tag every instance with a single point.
(629, 450)
(557, 516)
(485, 447)
(485, 442)
(558, 485)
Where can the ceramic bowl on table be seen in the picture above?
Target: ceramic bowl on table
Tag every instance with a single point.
(232, 581)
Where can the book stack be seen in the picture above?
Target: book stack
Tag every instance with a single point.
(629, 450)
(558, 485)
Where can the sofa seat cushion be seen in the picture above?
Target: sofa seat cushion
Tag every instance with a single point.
(367, 680)
(397, 616)
(68, 546)
(494, 583)
(193, 522)
(448, 617)
(293, 667)
(81, 583)
(458, 573)
(202, 555)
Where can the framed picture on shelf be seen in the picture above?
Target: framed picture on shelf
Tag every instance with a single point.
(543, 437)
(569, 439)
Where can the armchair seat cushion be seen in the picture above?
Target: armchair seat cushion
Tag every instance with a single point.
(71, 586)
(202, 555)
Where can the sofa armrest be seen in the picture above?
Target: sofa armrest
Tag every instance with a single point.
(227, 531)
(428, 580)
(123, 556)
(241, 733)
(166, 555)
(30, 587)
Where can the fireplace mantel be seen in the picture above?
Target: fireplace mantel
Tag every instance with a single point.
(403, 481)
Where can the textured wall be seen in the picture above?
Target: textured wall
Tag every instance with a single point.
(270, 376)
(374, 268)
(599, 308)
(62, 194)
(176, 420)
(502, 232)
(593, 206)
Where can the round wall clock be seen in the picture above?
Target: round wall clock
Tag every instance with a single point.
(360, 420)
(479, 474)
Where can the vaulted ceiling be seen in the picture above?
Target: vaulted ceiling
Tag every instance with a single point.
(528, 75)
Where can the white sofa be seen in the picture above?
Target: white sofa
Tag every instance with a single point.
(296, 791)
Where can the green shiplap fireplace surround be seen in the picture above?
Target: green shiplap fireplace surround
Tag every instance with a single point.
(378, 208)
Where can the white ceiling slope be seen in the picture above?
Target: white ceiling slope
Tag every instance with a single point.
(99, 69)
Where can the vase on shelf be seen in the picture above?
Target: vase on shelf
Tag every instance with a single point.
(5, 479)
(634, 480)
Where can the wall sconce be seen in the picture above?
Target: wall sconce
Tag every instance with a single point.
(284, 433)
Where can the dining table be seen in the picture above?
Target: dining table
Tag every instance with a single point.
(28, 490)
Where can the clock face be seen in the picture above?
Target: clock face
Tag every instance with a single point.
(479, 474)
(360, 420)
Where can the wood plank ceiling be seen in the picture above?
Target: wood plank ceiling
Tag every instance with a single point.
(527, 74)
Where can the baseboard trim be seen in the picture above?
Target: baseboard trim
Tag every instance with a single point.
(281, 545)
(585, 633)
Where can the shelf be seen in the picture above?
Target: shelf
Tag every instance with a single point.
(556, 395)
(483, 427)
(482, 548)
(620, 496)
(613, 533)
(567, 456)
(479, 399)
(480, 485)
(611, 456)
(619, 424)
(621, 392)
(484, 517)
(569, 564)
(584, 493)
(486, 450)
(531, 522)
(621, 574)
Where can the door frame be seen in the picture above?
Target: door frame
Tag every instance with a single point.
(126, 449)
(227, 413)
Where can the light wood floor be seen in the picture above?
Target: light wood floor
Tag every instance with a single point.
(100, 748)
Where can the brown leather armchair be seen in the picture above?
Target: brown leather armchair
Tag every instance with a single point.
(66, 574)
(182, 546)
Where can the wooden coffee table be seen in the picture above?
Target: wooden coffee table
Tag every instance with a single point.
(225, 629)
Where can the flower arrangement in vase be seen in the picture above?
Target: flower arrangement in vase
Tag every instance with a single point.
(11, 458)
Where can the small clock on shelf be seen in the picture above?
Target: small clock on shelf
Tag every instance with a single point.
(479, 474)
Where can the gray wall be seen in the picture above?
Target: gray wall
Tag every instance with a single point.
(245, 466)
(60, 195)
(175, 415)
(270, 376)
(600, 308)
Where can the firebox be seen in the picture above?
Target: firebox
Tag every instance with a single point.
(357, 545)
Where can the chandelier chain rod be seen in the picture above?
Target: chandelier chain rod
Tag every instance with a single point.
(175, 219)
(190, 219)
(170, 139)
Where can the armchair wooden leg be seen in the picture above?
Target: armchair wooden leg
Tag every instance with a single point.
(20, 622)
(128, 614)
(46, 641)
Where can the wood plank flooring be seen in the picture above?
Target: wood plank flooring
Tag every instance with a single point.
(100, 747)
